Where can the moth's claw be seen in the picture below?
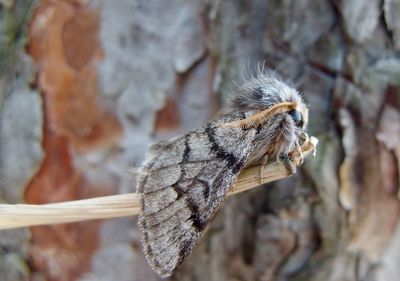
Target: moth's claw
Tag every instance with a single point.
(297, 155)
(289, 165)
(300, 159)
(304, 138)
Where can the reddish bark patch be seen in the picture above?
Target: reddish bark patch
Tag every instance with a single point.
(64, 44)
(80, 39)
(167, 118)
(61, 252)
(65, 47)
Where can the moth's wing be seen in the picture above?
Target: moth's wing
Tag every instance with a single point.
(182, 184)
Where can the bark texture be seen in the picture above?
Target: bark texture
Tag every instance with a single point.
(85, 86)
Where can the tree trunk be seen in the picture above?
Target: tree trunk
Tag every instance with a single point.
(85, 86)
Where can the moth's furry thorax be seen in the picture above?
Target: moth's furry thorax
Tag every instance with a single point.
(277, 135)
(264, 91)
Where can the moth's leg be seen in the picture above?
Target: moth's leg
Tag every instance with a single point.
(296, 154)
(300, 159)
(289, 165)
(304, 138)
(264, 161)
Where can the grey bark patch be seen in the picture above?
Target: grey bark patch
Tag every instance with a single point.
(299, 23)
(21, 122)
(360, 18)
(391, 9)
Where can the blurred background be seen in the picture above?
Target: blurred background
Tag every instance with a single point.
(85, 86)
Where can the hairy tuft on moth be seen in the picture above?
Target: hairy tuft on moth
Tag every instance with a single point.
(184, 180)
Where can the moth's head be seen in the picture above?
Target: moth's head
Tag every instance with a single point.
(299, 115)
(267, 90)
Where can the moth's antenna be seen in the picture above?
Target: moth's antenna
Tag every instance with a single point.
(260, 117)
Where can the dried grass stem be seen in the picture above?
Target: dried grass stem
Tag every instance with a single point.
(23, 215)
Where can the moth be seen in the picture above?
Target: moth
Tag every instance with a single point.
(184, 180)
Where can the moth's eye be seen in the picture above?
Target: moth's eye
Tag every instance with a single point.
(297, 118)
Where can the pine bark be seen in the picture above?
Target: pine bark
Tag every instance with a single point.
(98, 81)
